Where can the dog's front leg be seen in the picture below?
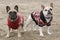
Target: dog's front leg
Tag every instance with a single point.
(8, 31)
(40, 30)
(48, 30)
(19, 31)
(11, 30)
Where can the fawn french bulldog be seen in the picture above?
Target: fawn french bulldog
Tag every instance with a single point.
(15, 20)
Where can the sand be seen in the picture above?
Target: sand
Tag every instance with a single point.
(26, 7)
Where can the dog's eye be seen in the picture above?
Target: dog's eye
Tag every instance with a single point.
(10, 13)
(15, 12)
(45, 9)
(50, 9)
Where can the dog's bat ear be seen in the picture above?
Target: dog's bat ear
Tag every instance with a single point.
(42, 6)
(51, 4)
(7, 8)
(16, 8)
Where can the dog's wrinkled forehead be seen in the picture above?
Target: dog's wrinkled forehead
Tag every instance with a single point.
(12, 11)
(48, 8)
(15, 9)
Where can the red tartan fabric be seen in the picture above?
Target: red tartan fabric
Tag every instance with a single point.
(36, 15)
(15, 25)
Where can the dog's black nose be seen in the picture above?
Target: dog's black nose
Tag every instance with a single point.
(12, 18)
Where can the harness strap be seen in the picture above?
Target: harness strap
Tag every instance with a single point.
(42, 17)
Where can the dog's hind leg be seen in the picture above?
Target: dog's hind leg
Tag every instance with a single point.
(8, 31)
(19, 31)
(22, 30)
(11, 30)
(27, 23)
(40, 30)
(48, 30)
(34, 29)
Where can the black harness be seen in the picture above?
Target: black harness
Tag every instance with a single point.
(42, 17)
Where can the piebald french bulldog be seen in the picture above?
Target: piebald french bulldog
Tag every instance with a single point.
(41, 18)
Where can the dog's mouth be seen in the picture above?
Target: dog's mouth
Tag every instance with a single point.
(13, 19)
(48, 16)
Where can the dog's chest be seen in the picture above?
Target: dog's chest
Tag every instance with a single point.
(16, 24)
(48, 18)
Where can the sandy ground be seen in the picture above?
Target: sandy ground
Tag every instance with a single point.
(26, 7)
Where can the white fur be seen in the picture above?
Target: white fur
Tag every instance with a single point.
(41, 31)
(27, 22)
(48, 30)
(34, 25)
(45, 13)
(8, 33)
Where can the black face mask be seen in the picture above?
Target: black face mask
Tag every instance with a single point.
(13, 15)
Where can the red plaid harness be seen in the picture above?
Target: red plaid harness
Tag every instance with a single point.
(36, 16)
(15, 25)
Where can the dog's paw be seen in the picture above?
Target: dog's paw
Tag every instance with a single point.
(49, 33)
(7, 36)
(25, 30)
(11, 31)
(34, 30)
(19, 35)
(41, 35)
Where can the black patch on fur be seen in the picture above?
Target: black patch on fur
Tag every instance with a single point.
(42, 17)
(12, 15)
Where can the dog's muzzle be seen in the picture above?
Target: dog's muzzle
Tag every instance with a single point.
(48, 16)
(13, 18)
(49, 13)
